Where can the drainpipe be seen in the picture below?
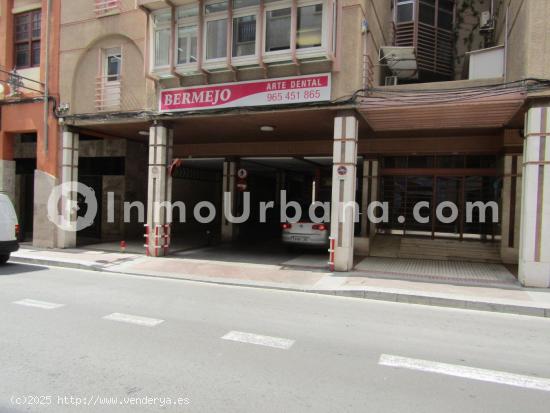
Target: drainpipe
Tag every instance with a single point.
(47, 77)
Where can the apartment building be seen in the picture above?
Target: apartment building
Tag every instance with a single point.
(397, 101)
(29, 130)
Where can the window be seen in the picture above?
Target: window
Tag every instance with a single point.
(215, 7)
(216, 39)
(187, 44)
(244, 36)
(277, 36)
(216, 30)
(162, 28)
(237, 4)
(444, 19)
(113, 64)
(27, 39)
(426, 12)
(187, 34)
(310, 26)
(103, 7)
(405, 11)
(236, 35)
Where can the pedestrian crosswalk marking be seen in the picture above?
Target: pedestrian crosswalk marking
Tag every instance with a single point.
(492, 376)
(249, 338)
(133, 319)
(38, 304)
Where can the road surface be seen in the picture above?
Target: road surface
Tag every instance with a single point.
(87, 341)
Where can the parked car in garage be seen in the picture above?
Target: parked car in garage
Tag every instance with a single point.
(306, 234)
(8, 229)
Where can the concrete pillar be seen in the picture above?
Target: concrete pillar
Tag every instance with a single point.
(44, 234)
(7, 165)
(534, 253)
(159, 193)
(344, 176)
(511, 208)
(7, 178)
(370, 194)
(69, 173)
(229, 186)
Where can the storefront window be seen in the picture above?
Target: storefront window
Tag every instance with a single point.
(244, 36)
(277, 35)
(310, 26)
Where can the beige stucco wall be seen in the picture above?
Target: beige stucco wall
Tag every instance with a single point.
(84, 36)
(538, 40)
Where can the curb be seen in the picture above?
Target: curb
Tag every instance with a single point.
(53, 263)
(366, 294)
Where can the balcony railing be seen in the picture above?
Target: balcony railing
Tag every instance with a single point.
(108, 93)
(103, 7)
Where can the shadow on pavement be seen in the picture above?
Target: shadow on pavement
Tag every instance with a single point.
(10, 269)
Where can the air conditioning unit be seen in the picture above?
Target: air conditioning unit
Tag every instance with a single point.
(486, 21)
(391, 80)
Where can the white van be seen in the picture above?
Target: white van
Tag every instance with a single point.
(8, 229)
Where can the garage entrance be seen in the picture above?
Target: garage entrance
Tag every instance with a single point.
(198, 180)
(305, 179)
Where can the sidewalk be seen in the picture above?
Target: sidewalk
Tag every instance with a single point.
(510, 299)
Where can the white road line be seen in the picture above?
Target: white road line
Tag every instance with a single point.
(275, 342)
(492, 376)
(38, 304)
(133, 319)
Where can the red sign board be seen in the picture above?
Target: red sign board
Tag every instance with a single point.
(265, 92)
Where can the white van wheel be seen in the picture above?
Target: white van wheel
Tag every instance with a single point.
(4, 258)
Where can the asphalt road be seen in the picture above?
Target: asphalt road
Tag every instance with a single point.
(123, 343)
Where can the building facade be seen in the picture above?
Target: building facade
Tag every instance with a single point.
(404, 102)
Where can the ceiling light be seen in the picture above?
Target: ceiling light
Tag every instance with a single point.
(267, 128)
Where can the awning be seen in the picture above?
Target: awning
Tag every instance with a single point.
(403, 110)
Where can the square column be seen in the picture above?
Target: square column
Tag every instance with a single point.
(7, 178)
(69, 174)
(159, 195)
(7, 166)
(511, 208)
(344, 176)
(534, 252)
(229, 186)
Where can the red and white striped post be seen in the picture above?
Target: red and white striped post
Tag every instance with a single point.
(331, 252)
